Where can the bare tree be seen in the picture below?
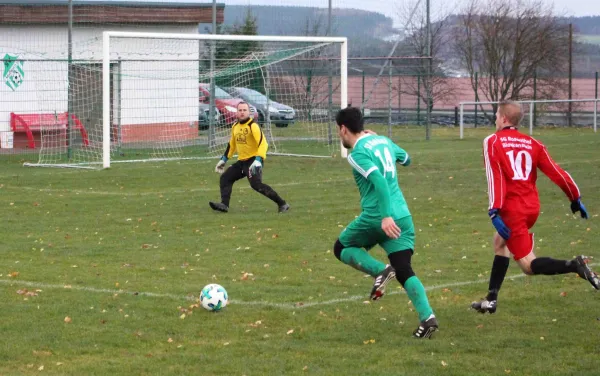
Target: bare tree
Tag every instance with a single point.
(511, 43)
(413, 17)
(310, 73)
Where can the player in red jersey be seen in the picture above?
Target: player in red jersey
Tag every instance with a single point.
(511, 163)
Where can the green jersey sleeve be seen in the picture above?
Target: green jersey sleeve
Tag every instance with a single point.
(382, 192)
(402, 156)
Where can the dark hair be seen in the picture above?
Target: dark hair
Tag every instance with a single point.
(351, 118)
(242, 102)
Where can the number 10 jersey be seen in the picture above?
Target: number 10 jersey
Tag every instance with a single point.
(511, 161)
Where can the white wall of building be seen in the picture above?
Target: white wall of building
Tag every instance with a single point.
(153, 90)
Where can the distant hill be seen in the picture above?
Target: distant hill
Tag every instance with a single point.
(365, 30)
(589, 25)
(282, 20)
(373, 34)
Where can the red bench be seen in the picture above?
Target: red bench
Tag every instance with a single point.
(30, 123)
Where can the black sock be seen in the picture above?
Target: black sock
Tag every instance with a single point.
(499, 268)
(550, 266)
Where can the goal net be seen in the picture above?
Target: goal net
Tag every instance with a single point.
(536, 114)
(137, 96)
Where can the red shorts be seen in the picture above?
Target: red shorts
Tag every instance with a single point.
(520, 243)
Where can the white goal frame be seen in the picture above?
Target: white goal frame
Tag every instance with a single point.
(107, 35)
(531, 103)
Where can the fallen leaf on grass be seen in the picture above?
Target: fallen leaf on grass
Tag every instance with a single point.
(42, 353)
(68, 319)
(444, 364)
(290, 331)
(369, 341)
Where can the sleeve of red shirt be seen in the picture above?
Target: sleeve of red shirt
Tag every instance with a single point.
(495, 178)
(559, 176)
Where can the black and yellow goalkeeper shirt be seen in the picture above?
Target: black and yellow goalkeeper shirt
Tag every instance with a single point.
(248, 140)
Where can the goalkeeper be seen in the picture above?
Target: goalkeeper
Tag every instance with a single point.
(249, 141)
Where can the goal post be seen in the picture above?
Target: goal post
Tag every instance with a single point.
(285, 66)
(547, 112)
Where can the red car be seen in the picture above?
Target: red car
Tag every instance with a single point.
(226, 104)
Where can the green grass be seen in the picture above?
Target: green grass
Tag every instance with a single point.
(90, 240)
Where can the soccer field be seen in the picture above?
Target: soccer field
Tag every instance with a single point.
(100, 270)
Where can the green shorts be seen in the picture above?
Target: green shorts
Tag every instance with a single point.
(367, 233)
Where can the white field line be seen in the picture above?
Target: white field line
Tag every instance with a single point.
(165, 192)
(19, 284)
(288, 306)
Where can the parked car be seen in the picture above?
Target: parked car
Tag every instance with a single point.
(203, 116)
(226, 104)
(280, 114)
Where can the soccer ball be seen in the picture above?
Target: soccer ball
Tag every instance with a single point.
(213, 297)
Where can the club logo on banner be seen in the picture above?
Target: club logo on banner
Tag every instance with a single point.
(13, 72)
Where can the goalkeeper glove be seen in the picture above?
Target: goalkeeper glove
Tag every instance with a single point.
(577, 206)
(256, 166)
(221, 165)
(498, 223)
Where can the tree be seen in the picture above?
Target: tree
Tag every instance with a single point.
(228, 53)
(512, 44)
(310, 73)
(435, 87)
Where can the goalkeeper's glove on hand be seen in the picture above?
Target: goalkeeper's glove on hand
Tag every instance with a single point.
(256, 166)
(499, 224)
(221, 165)
(577, 206)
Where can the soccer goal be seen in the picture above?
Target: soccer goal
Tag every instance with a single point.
(538, 113)
(152, 96)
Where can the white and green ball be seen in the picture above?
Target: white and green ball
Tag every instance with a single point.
(213, 297)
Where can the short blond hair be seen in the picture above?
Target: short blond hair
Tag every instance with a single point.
(512, 111)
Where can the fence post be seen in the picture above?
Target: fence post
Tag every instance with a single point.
(596, 86)
(390, 100)
(534, 98)
(596, 103)
(476, 96)
(530, 118)
(363, 93)
(456, 116)
(418, 99)
(462, 121)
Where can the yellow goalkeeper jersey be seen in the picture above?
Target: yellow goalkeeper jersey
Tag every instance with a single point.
(248, 140)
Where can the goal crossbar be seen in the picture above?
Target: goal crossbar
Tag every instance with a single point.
(530, 102)
(106, 61)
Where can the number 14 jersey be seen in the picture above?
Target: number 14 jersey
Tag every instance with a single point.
(378, 154)
(511, 161)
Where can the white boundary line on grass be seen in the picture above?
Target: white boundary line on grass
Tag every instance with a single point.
(290, 306)
(165, 192)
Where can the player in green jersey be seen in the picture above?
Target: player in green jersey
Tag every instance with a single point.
(385, 218)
